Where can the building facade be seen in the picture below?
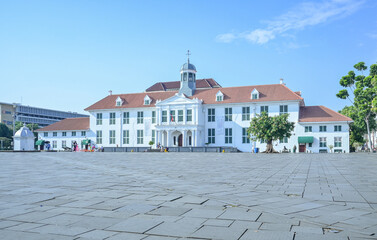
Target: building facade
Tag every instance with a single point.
(197, 113)
(28, 114)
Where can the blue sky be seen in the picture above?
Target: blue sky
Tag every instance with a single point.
(66, 55)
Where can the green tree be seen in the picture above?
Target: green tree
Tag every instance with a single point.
(269, 129)
(5, 131)
(357, 128)
(364, 95)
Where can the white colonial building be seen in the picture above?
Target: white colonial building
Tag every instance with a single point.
(199, 113)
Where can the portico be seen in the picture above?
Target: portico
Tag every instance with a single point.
(173, 137)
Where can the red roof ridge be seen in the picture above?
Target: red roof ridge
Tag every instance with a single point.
(292, 91)
(335, 112)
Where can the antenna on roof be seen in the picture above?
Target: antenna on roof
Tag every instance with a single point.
(110, 92)
(188, 56)
(282, 81)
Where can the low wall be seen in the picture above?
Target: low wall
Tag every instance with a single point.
(172, 149)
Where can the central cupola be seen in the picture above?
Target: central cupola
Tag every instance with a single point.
(188, 78)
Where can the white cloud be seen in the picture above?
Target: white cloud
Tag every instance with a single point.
(226, 38)
(304, 15)
(372, 35)
(259, 36)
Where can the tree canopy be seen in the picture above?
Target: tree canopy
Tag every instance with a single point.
(364, 100)
(5, 131)
(264, 127)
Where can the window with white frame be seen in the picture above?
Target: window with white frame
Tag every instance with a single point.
(112, 118)
(147, 100)
(164, 116)
(112, 137)
(172, 115)
(99, 137)
(337, 128)
(245, 136)
(45, 134)
(337, 141)
(228, 114)
(73, 134)
(119, 102)
(245, 113)
(228, 135)
(219, 96)
(255, 94)
(126, 118)
(283, 109)
(322, 142)
(99, 119)
(64, 134)
(140, 117)
(83, 133)
(54, 134)
(211, 115)
(180, 115)
(126, 136)
(153, 116)
(263, 109)
(323, 128)
(283, 140)
(54, 144)
(308, 129)
(64, 143)
(140, 137)
(189, 115)
(211, 135)
(154, 136)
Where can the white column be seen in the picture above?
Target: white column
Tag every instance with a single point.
(193, 138)
(156, 137)
(184, 138)
(168, 138)
(194, 115)
(121, 129)
(184, 115)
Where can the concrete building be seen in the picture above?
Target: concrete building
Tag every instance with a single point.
(196, 113)
(28, 114)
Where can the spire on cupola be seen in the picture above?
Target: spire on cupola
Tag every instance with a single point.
(188, 77)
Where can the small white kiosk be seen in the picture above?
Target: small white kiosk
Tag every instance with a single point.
(24, 139)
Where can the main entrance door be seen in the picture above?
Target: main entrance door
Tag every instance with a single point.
(180, 140)
(302, 147)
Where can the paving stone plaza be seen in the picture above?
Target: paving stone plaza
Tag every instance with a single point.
(187, 196)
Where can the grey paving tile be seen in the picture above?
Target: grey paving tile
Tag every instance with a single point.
(267, 235)
(135, 225)
(173, 229)
(97, 234)
(214, 232)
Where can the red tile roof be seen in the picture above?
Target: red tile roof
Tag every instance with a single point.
(68, 124)
(174, 86)
(273, 92)
(321, 114)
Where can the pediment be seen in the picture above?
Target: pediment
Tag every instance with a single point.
(178, 99)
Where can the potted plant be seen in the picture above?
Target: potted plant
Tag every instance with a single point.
(151, 143)
(331, 147)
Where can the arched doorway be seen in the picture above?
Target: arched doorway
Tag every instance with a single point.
(180, 137)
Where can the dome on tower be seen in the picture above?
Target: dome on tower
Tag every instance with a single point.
(188, 66)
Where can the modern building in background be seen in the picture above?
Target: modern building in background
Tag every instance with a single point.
(197, 113)
(28, 114)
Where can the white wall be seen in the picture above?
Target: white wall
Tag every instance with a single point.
(237, 124)
(69, 138)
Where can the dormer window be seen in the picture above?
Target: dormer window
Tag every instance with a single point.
(147, 100)
(255, 94)
(219, 96)
(119, 102)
